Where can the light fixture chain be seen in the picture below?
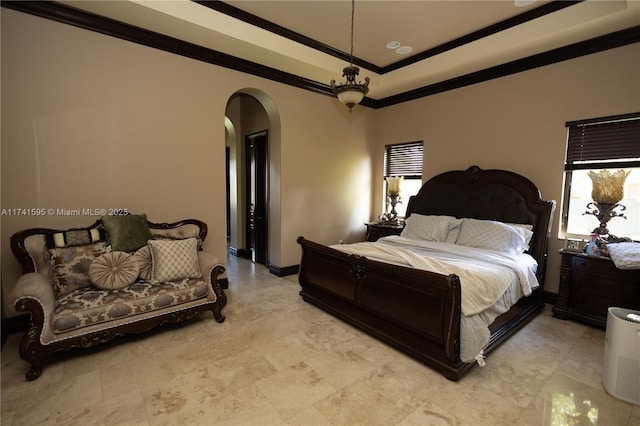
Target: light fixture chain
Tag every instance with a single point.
(351, 92)
(353, 9)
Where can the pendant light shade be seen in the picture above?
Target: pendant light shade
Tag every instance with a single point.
(351, 92)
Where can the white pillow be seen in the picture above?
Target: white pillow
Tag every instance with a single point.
(528, 230)
(429, 228)
(174, 260)
(625, 255)
(492, 235)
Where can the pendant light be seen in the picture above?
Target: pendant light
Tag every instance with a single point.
(351, 92)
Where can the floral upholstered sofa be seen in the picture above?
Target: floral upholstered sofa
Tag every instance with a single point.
(121, 275)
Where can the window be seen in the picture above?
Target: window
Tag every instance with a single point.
(608, 143)
(403, 160)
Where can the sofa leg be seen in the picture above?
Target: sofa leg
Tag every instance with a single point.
(217, 313)
(35, 372)
(30, 349)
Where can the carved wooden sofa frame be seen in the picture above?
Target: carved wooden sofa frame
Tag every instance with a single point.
(34, 294)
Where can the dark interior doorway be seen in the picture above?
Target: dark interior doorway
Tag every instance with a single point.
(257, 169)
(227, 157)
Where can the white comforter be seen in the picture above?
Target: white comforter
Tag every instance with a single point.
(491, 282)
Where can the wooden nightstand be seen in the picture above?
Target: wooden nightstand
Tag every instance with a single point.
(590, 285)
(377, 230)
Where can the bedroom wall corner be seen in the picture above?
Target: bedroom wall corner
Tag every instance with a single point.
(517, 123)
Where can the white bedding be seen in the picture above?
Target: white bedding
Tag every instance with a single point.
(491, 282)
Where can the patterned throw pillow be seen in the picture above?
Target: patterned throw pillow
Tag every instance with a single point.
(429, 227)
(70, 266)
(114, 271)
(75, 237)
(625, 255)
(145, 262)
(492, 235)
(174, 260)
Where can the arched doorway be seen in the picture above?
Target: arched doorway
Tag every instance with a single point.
(252, 125)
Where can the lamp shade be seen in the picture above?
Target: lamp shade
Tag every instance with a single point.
(351, 97)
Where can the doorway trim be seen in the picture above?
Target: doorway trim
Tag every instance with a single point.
(256, 199)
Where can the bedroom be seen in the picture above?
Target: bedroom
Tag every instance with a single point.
(74, 101)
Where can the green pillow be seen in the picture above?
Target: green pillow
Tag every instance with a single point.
(127, 233)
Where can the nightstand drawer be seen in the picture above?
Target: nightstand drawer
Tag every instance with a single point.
(604, 271)
(586, 264)
(590, 285)
(595, 293)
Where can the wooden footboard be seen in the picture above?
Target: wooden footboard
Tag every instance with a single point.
(413, 310)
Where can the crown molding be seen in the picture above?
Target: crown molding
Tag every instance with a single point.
(576, 50)
(503, 25)
(92, 22)
(111, 27)
(254, 20)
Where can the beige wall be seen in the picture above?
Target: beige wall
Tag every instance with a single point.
(516, 122)
(90, 121)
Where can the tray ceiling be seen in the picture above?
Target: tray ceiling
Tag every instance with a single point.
(310, 39)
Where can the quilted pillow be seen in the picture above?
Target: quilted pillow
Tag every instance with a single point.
(174, 260)
(127, 233)
(145, 262)
(429, 228)
(114, 271)
(492, 235)
(70, 266)
(625, 255)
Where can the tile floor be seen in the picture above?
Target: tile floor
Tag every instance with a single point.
(280, 361)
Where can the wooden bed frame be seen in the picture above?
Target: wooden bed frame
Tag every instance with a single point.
(418, 311)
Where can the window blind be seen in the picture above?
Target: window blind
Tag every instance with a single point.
(590, 142)
(403, 160)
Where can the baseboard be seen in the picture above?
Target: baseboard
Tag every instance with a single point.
(5, 333)
(224, 282)
(238, 252)
(550, 298)
(17, 324)
(284, 271)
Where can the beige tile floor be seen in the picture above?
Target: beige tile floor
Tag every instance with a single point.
(280, 361)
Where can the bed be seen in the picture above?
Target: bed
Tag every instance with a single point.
(416, 310)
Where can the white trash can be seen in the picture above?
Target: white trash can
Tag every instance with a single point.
(621, 364)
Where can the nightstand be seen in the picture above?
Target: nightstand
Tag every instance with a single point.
(589, 285)
(377, 230)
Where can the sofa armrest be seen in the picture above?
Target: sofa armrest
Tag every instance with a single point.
(211, 269)
(34, 286)
(208, 262)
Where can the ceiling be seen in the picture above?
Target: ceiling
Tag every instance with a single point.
(310, 39)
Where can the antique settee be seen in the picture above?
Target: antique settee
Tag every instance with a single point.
(120, 275)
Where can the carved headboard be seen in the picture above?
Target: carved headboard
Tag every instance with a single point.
(489, 195)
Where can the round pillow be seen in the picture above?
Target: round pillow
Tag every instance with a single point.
(145, 262)
(114, 270)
